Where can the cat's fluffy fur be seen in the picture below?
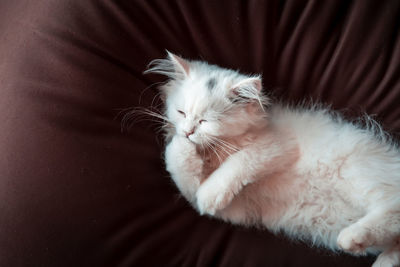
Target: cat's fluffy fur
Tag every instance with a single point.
(304, 171)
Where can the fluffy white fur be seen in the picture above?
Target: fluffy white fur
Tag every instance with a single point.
(303, 171)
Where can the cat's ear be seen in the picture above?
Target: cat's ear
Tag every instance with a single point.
(181, 65)
(247, 90)
(173, 66)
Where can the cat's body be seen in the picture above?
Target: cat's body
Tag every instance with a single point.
(317, 187)
(304, 171)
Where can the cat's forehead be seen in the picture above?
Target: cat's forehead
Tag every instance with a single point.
(211, 75)
(211, 83)
(205, 88)
(198, 95)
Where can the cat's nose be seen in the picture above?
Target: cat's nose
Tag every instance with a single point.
(189, 133)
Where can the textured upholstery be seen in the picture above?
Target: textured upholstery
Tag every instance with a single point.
(75, 190)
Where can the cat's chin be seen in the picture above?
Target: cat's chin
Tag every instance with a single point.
(195, 140)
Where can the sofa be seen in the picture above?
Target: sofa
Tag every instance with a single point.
(78, 187)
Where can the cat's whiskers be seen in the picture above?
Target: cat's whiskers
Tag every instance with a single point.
(163, 127)
(147, 88)
(220, 146)
(208, 142)
(203, 150)
(136, 115)
(227, 144)
(157, 96)
(227, 147)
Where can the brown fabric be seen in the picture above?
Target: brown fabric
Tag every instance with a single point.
(76, 191)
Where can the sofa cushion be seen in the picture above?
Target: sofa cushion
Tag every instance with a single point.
(77, 190)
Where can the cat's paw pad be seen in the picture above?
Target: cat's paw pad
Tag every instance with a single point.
(212, 198)
(354, 239)
(386, 261)
(390, 259)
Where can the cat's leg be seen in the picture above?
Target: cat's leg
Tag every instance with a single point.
(389, 257)
(241, 168)
(379, 227)
(185, 166)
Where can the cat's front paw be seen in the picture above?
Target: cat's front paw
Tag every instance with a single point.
(389, 258)
(212, 197)
(355, 239)
(180, 154)
(181, 145)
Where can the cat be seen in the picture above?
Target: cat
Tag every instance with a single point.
(304, 171)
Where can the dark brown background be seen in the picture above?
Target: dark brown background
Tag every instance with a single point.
(76, 191)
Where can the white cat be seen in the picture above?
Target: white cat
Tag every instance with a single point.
(304, 171)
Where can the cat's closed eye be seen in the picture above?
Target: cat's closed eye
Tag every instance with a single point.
(201, 121)
(182, 113)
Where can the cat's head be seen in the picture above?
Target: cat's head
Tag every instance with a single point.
(204, 101)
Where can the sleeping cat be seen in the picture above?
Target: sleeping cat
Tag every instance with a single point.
(304, 171)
